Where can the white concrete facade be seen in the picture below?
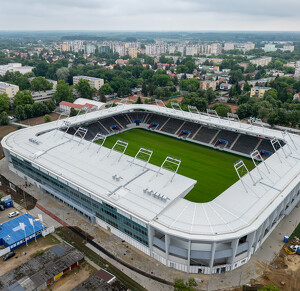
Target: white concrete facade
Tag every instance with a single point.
(212, 237)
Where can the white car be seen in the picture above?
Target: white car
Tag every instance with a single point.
(13, 214)
(295, 247)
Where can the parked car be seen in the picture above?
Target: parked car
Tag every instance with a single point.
(295, 247)
(13, 214)
(1, 207)
(8, 256)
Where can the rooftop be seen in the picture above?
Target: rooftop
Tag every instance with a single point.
(88, 78)
(238, 208)
(11, 232)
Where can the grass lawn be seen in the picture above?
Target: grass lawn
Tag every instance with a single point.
(213, 169)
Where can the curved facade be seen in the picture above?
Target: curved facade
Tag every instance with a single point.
(118, 193)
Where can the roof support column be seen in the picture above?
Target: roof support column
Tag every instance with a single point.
(234, 246)
(167, 243)
(189, 257)
(213, 250)
(251, 238)
(150, 239)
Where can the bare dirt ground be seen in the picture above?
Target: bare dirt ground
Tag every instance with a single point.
(283, 272)
(4, 130)
(40, 119)
(33, 247)
(73, 278)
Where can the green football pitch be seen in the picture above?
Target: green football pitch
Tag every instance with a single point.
(213, 169)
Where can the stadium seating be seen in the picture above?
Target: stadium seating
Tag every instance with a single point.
(108, 122)
(245, 144)
(157, 119)
(137, 115)
(191, 127)
(205, 134)
(172, 125)
(226, 135)
(122, 119)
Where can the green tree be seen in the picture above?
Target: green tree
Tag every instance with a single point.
(190, 85)
(4, 102)
(106, 89)
(84, 89)
(40, 84)
(102, 98)
(181, 285)
(28, 110)
(272, 118)
(222, 109)
(247, 87)
(73, 112)
(63, 92)
(62, 74)
(22, 98)
(20, 113)
(51, 105)
(4, 120)
(22, 82)
(47, 118)
(139, 101)
(39, 109)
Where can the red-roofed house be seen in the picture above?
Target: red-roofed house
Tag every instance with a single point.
(66, 106)
(296, 96)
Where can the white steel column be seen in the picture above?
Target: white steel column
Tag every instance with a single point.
(213, 250)
(167, 243)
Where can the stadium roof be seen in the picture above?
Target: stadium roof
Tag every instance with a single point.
(242, 206)
(11, 232)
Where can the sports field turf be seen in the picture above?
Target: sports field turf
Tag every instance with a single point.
(213, 169)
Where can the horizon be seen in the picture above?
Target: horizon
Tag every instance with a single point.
(168, 15)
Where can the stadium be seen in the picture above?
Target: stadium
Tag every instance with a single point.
(197, 192)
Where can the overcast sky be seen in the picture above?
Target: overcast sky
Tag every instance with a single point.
(150, 15)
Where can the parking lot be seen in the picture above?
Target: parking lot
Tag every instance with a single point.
(4, 214)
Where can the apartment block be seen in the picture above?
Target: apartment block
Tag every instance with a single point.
(228, 46)
(264, 61)
(259, 91)
(132, 52)
(96, 83)
(10, 89)
(42, 96)
(206, 84)
(216, 48)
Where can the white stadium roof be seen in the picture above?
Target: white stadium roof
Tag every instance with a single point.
(241, 207)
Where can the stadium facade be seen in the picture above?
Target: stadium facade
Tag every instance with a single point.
(144, 204)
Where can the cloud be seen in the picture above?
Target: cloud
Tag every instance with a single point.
(149, 15)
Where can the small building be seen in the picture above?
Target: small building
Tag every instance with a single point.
(43, 270)
(225, 86)
(66, 106)
(42, 96)
(96, 83)
(82, 101)
(296, 96)
(9, 89)
(259, 91)
(13, 236)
